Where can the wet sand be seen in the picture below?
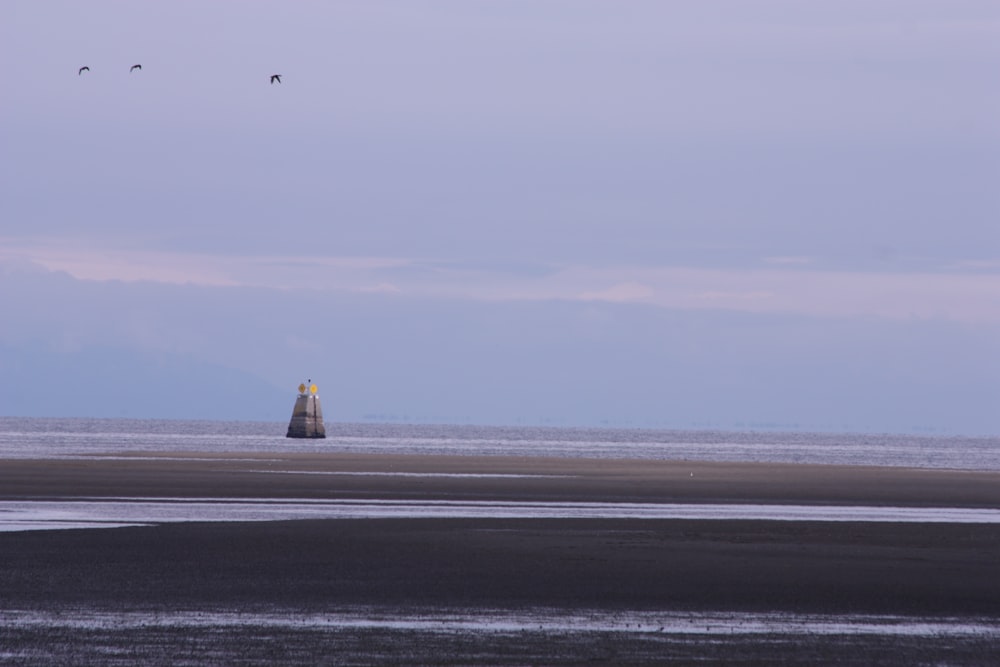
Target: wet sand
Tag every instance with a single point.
(402, 566)
(697, 565)
(239, 475)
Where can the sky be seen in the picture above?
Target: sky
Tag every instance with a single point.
(722, 214)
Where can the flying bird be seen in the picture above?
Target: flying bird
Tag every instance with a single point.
(82, 70)
(275, 77)
(134, 67)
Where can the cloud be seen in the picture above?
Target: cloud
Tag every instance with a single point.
(789, 286)
(798, 261)
(381, 288)
(978, 265)
(621, 292)
(105, 262)
(951, 296)
(733, 297)
(108, 263)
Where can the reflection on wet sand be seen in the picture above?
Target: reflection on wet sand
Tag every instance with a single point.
(433, 620)
(118, 512)
(494, 637)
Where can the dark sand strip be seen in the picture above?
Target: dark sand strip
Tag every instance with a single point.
(698, 565)
(281, 476)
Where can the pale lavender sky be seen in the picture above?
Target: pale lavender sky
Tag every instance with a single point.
(639, 213)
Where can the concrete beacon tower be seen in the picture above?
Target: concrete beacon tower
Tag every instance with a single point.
(307, 417)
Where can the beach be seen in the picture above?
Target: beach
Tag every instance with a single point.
(482, 568)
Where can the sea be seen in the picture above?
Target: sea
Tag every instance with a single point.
(70, 438)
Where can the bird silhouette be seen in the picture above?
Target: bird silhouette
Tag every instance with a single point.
(82, 70)
(275, 77)
(134, 67)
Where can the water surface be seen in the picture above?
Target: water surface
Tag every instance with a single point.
(67, 438)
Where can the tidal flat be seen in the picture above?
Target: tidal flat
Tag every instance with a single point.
(500, 591)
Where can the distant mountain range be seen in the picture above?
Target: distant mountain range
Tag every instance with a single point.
(38, 381)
